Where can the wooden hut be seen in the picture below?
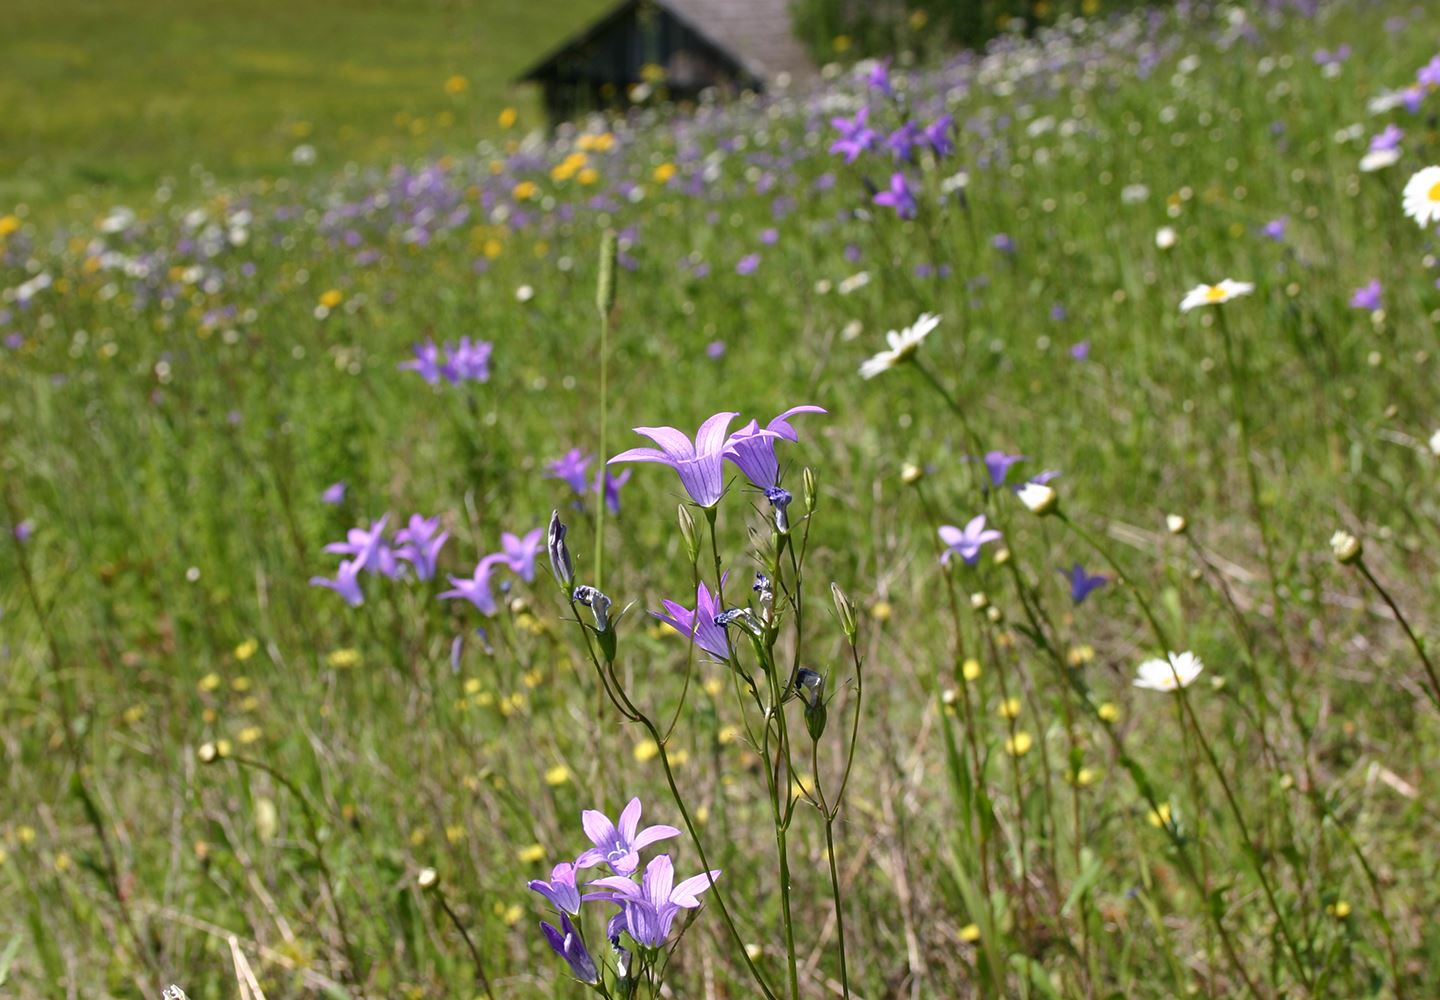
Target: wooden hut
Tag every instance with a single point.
(682, 46)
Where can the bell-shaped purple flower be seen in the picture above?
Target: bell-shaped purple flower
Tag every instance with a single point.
(346, 583)
(476, 589)
(753, 449)
(619, 845)
(565, 942)
(966, 542)
(519, 553)
(699, 625)
(420, 543)
(698, 463)
(899, 196)
(651, 906)
(561, 890)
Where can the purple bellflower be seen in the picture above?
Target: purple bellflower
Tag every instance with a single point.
(650, 907)
(346, 583)
(334, 493)
(998, 464)
(369, 549)
(565, 942)
(698, 463)
(899, 197)
(753, 449)
(903, 140)
(612, 487)
(879, 77)
(561, 890)
(937, 136)
(1275, 229)
(420, 543)
(426, 362)
(618, 845)
(1367, 297)
(1082, 584)
(572, 468)
(966, 543)
(476, 588)
(699, 625)
(856, 136)
(519, 553)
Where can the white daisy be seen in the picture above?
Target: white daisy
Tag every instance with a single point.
(1213, 295)
(1169, 675)
(1422, 196)
(1378, 159)
(903, 344)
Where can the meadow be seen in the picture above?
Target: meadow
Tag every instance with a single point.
(1058, 629)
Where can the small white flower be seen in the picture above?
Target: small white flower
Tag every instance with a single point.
(524, 293)
(1038, 498)
(854, 283)
(1212, 295)
(1347, 547)
(1171, 674)
(1435, 444)
(1422, 196)
(903, 344)
(1166, 237)
(1176, 524)
(1378, 159)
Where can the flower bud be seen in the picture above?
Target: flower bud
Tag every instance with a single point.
(979, 601)
(845, 610)
(1347, 547)
(688, 534)
(780, 503)
(1176, 524)
(995, 615)
(743, 617)
(598, 604)
(1435, 444)
(208, 753)
(910, 473)
(605, 286)
(427, 879)
(811, 688)
(807, 481)
(560, 563)
(1038, 498)
(1001, 557)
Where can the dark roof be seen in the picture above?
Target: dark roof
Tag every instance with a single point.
(756, 35)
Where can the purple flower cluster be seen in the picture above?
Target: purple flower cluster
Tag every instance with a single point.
(647, 907)
(465, 361)
(414, 548)
(517, 554)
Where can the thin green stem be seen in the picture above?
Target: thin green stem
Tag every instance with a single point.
(1434, 691)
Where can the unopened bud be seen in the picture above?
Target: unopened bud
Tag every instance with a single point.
(995, 615)
(688, 534)
(979, 601)
(780, 504)
(605, 287)
(845, 610)
(208, 753)
(1176, 524)
(560, 563)
(910, 473)
(743, 617)
(807, 480)
(427, 879)
(1002, 556)
(598, 604)
(811, 687)
(1347, 547)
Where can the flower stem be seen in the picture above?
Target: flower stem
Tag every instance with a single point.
(1434, 691)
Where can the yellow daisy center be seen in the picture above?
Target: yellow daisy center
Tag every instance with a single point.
(1434, 193)
(1215, 293)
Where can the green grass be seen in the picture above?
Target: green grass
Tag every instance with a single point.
(105, 101)
(171, 456)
